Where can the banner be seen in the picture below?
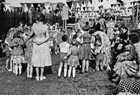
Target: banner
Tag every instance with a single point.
(65, 13)
(69, 4)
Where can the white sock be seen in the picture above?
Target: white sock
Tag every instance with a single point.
(69, 73)
(59, 72)
(16, 69)
(20, 69)
(65, 72)
(73, 72)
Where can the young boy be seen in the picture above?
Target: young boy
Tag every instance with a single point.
(64, 49)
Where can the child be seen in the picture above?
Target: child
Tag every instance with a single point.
(6, 48)
(28, 54)
(17, 53)
(73, 60)
(64, 49)
(99, 55)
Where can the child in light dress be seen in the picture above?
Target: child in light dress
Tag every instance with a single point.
(17, 53)
(64, 49)
(6, 48)
(73, 60)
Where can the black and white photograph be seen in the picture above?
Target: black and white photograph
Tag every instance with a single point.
(69, 47)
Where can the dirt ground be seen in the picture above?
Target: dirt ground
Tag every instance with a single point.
(92, 83)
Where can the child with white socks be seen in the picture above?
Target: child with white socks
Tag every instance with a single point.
(73, 58)
(64, 49)
(17, 53)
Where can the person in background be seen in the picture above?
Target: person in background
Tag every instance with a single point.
(64, 49)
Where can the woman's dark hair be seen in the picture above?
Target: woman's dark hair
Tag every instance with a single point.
(64, 38)
(41, 17)
(134, 38)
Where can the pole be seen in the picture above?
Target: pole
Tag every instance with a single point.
(137, 16)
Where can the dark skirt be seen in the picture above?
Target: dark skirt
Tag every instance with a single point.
(85, 52)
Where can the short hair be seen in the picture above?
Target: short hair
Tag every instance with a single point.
(87, 23)
(64, 38)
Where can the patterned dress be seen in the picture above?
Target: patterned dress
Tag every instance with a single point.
(85, 48)
(126, 66)
(127, 85)
(17, 51)
(41, 53)
(73, 60)
(28, 51)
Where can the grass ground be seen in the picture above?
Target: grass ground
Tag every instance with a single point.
(92, 83)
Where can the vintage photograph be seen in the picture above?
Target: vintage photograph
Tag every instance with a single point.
(69, 47)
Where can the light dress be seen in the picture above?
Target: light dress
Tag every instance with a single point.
(41, 56)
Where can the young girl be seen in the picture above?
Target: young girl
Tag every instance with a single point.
(99, 55)
(73, 60)
(64, 49)
(17, 53)
(28, 54)
(6, 48)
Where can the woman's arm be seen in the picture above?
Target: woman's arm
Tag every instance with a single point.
(29, 36)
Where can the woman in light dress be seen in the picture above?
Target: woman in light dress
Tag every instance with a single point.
(41, 53)
(105, 48)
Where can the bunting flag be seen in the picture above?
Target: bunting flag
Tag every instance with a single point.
(77, 6)
(74, 3)
(69, 4)
(80, 2)
(35, 6)
(29, 6)
(86, 2)
(100, 0)
(90, 1)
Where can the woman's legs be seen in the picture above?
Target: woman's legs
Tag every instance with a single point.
(69, 72)
(83, 66)
(42, 74)
(37, 73)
